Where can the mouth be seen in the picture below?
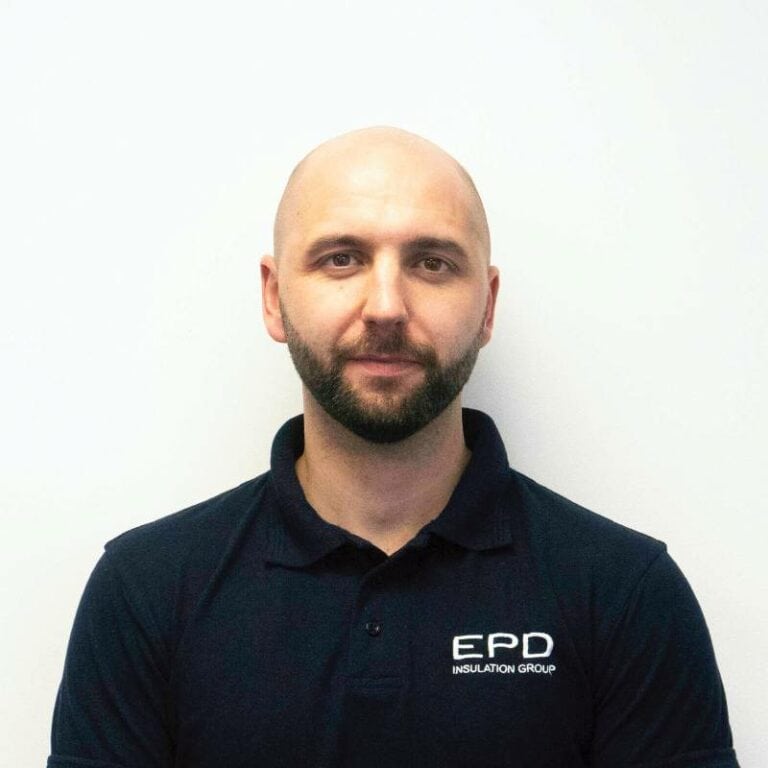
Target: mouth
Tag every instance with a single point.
(384, 365)
(385, 358)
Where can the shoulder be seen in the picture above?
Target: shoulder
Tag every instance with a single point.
(164, 567)
(202, 526)
(598, 570)
(593, 564)
(558, 525)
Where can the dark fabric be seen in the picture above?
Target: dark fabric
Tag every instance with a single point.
(516, 629)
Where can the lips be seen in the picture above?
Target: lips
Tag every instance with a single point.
(384, 365)
(384, 359)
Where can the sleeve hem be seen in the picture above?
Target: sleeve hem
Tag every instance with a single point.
(718, 758)
(65, 761)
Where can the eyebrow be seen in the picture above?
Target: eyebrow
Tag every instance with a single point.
(418, 244)
(438, 244)
(334, 241)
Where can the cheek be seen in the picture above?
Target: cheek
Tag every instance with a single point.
(318, 317)
(454, 325)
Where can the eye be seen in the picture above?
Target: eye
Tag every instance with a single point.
(340, 259)
(435, 264)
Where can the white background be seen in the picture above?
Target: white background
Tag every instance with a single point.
(621, 152)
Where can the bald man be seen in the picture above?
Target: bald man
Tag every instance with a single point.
(382, 289)
(391, 592)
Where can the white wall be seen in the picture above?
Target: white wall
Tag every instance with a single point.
(621, 151)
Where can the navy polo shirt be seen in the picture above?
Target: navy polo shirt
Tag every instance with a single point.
(516, 629)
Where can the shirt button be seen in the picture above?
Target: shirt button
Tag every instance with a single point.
(373, 628)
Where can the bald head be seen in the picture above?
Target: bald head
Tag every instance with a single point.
(377, 159)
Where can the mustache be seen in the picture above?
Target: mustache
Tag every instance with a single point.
(388, 344)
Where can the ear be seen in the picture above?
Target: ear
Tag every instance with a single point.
(270, 299)
(490, 304)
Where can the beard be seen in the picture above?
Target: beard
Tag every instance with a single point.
(392, 417)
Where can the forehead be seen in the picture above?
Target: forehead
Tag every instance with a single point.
(389, 194)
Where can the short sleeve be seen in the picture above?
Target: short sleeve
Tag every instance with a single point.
(112, 705)
(659, 699)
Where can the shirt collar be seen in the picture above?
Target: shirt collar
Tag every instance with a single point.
(476, 516)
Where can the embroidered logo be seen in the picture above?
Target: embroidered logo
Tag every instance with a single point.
(508, 648)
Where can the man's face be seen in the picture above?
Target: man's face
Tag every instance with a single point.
(383, 292)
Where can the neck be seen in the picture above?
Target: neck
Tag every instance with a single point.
(384, 493)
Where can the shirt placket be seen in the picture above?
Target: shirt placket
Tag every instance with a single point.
(376, 684)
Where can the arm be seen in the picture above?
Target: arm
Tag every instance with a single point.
(112, 709)
(659, 699)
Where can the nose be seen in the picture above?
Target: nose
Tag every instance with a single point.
(385, 300)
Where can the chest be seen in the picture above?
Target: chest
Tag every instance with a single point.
(425, 661)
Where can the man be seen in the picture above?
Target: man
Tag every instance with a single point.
(390, 593)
